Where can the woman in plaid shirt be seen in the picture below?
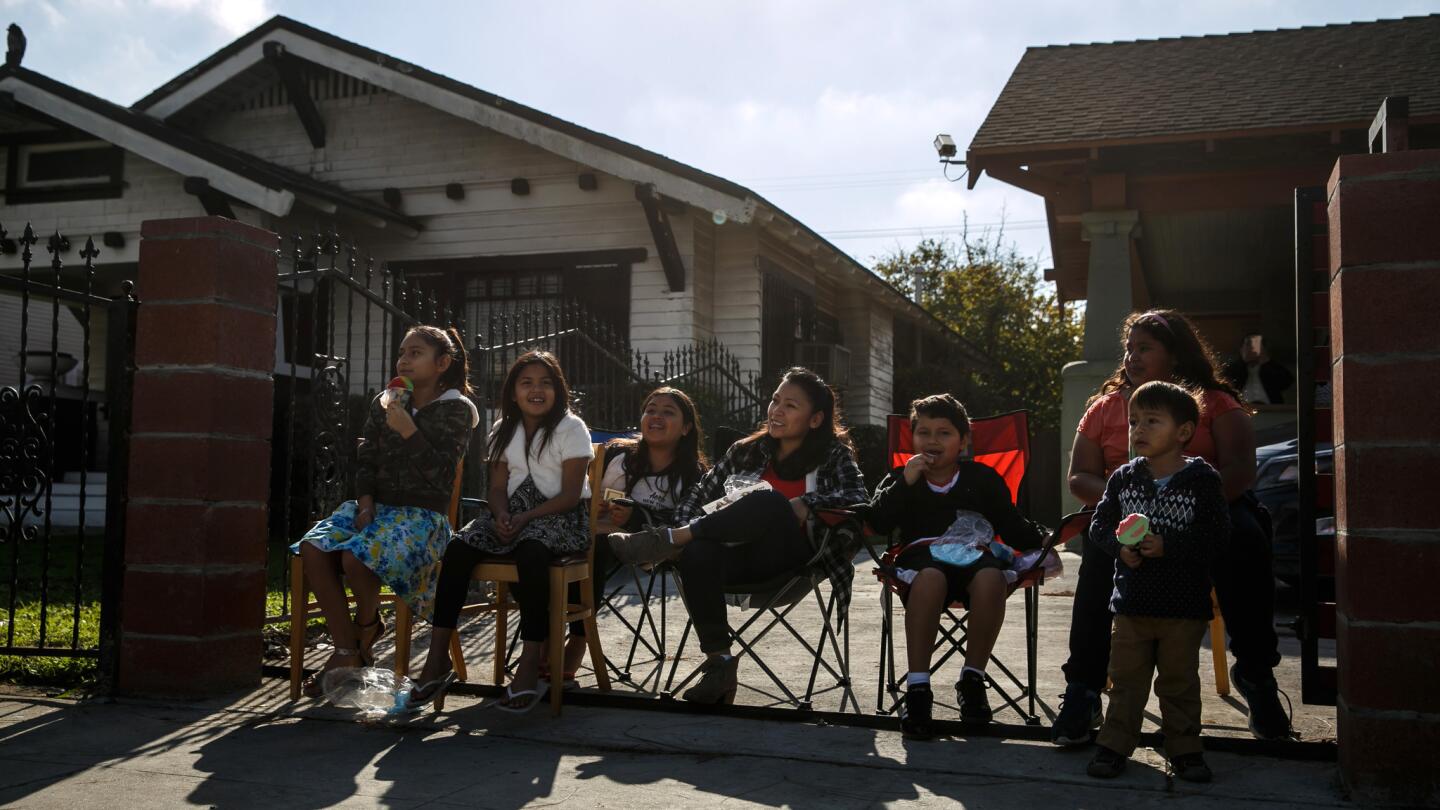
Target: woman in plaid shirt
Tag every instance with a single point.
(806, 457)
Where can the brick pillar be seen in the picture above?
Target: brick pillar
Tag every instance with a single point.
(194, 589)
(1384, 288)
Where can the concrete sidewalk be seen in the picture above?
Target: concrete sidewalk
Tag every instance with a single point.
(260, 751)
(1224, 716)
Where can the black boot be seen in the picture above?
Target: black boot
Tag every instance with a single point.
(1268, 720)
(718, 681)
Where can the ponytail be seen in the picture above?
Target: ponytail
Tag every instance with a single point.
(448, 342)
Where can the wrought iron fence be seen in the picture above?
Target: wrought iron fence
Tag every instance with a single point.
(64, 426)
(342, 316)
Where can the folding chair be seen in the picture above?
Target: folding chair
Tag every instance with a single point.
(563, 571)
(778, 597)
(1002, 443)
(301, 610)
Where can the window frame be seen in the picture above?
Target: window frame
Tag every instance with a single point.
(18, 151)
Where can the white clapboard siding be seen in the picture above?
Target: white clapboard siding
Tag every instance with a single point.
(870, 335)
(151, 192)
(703, 271)
(38, 334)
(737, 293)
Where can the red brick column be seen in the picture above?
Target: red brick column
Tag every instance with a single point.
(194, 591)
(1384, 292)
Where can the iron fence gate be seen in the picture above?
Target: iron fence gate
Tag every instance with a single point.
(64, 424)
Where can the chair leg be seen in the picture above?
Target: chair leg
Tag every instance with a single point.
(297, 625)
(502, 617)
(457, 655)
(1217, 648)
(597, 655)
(555, 646)
(402, 638)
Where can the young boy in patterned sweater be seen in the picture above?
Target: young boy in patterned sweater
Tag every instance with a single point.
(1161, 599)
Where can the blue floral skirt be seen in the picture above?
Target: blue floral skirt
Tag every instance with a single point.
(403, 545)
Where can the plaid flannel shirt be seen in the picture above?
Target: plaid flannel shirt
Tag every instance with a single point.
(839, 484)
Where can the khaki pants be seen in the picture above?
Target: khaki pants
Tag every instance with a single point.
(1139, 645)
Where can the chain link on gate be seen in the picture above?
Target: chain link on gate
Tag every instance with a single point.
(64, 424)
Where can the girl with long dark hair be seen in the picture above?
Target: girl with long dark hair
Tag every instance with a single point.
(395, 530)
(653, 470)
(804, 454)
(538, 454)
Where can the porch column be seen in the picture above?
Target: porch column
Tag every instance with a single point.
(1108, 300)
(199, 481)
(1385, 280)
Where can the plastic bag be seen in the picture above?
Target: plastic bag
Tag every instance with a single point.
(966, 539)
(736, 487)
(373, 691)
(1051, 565)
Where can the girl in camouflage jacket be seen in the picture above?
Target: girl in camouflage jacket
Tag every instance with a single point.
(395, 531)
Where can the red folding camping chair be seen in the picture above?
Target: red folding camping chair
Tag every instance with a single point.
(1002, 443)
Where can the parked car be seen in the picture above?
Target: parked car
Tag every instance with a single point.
(1277, 475)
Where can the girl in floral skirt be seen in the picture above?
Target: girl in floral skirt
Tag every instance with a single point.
(396, 529)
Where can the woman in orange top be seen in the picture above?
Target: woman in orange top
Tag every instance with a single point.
(1163, 345)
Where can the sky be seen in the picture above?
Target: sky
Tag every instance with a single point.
(826, 107)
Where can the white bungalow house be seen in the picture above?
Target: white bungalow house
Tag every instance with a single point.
(293, 129)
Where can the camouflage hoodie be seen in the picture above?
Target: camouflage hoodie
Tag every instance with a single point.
(418, 471)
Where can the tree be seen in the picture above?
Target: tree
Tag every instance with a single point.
(996, 299)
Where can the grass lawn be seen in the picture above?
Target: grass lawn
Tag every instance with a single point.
(62, 631)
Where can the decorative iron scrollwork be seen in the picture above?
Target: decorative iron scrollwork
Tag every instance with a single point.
(24, 450)
(330, 460)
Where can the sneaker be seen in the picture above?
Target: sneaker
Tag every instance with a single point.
(1107, 764)
(915, 720)
(1268, 720)
(1079, 715)
(641, 548)
(974, 705)
(1191, 767)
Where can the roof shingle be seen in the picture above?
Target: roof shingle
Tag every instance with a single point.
(1300, 77)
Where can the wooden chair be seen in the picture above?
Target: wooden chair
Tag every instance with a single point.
(301, 609)
(1217, 647)
(565, 570)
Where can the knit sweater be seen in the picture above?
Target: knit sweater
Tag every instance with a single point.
(418, 471)
(1190, 513)
(919, 511)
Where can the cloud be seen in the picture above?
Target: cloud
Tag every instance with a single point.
(233, 16)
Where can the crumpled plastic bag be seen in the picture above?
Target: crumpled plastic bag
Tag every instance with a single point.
(376, 693)
(966, 540)
(736, 487)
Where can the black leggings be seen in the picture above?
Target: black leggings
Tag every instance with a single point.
(531, 557)
(752, 541)
(1244, 583)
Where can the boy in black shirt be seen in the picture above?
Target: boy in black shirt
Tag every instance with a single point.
(921, 500)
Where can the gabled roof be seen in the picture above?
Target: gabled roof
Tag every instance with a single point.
(585, 146)
(270, 188)
(1302, 78)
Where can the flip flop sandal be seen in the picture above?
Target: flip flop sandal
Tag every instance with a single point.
(533, 694)
(436, 688)
(568, 682)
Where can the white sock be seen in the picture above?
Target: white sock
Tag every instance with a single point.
(670, 536)
(917, 679)
(969, 668)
